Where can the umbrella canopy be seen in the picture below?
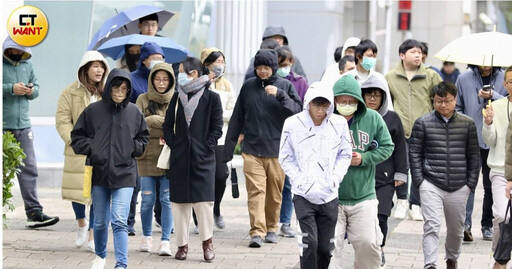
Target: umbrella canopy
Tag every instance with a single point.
(483, 49)
(173, 52)
(127, 22)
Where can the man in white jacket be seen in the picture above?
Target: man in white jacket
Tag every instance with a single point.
(494, 132)
(315, 152)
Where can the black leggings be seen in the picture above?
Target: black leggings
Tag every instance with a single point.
(383, 224)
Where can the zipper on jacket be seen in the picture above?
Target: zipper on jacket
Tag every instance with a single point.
(447, 154)
(409, 110)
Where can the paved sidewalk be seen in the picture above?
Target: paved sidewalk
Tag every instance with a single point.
(53, 247)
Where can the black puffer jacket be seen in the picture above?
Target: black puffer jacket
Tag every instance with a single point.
(445, 153)
(111, 135)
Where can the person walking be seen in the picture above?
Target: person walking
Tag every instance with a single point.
(112, 153)
(263, 104)
(315, 153)
(391, 173)
(449, 72)
(153, 106)
(19, 83)
(475, 87)
(193, 124)
(332, 72)
(445, 162)
(87, 89)
(494, 133)
(410, 84)
(357, 200)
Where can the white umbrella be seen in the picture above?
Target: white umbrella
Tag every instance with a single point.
(483, 49)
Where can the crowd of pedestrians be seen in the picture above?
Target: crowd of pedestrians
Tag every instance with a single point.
(337, 151)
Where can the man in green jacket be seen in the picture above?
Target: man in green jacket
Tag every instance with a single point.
(19, 87)
(410, 84)
(357, 201)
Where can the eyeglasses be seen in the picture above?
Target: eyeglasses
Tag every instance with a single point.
(116, 89)
(446, 102)
(372, 96)
(347, 103)
(160, 80)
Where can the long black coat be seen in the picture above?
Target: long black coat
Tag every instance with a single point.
(192, 165)
(111, 135)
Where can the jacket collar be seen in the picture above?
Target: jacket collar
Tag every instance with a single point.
(420, 73)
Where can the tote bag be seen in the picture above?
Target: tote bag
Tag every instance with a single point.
(504, 247)
(165, 155)
(87, 178)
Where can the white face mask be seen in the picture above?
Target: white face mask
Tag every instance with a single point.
(155, 62)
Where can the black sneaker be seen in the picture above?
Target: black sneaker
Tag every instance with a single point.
(131, 231)
(468, 237)
(38, 219)
(383, 261)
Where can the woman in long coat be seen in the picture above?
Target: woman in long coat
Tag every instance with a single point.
(73, 100)
(192, 126)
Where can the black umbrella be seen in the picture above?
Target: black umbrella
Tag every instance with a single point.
(234, 183)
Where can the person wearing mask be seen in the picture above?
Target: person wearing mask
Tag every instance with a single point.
(112, 153)
(392, 172)
(494, 134)
(357, 200)
(285, 62)
(193, 124)
(151, 55)
(87, 89)
(449, 72)
(331, 73)
(263, 104)
(366, 57)
(315, 152)
(20, 86)
(410, 83)
(445, 161)
(476, 86)
(153, 105)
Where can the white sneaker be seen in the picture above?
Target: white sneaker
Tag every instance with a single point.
(82, 236)
(164, 249)
(90, 246)
(98, 263)
(401, 209)
(146, 244)
(415, 213)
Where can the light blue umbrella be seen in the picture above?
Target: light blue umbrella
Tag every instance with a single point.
(126, 23)
(173, 52)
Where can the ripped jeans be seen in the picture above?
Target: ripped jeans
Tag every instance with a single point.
(148, 193)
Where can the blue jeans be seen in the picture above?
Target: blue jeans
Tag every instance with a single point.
(111, 204)
(287, 203)
(79, 210)
(148, 192)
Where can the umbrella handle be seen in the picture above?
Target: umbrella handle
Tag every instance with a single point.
(110, 31)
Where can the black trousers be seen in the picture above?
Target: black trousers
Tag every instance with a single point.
(317, 224)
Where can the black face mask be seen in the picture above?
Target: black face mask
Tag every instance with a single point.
(132, 60)
(15, 57)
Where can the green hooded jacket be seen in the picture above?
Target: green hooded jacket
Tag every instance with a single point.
(366, 126)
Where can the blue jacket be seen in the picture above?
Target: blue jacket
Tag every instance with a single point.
(16, 107)
(140, 76)
(468, 103)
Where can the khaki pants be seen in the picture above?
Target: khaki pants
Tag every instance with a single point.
(264, 180)
(362, 225)
(499, 205)
(182, 212)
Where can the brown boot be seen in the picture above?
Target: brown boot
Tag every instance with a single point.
(451, 264)
(208, 250)
(181, 254)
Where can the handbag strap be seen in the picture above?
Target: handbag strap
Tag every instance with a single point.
(175, 115)
(509, 210)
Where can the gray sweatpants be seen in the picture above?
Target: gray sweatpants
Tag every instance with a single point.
(434, 201)
(27, 178)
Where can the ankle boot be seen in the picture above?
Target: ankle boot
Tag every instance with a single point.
(208, 250)
(181, 254)
(451, 264)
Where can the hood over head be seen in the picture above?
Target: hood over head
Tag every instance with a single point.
(147, 49)
(319, 89)
(153, 94)
(207, 51)
(266, 57)
(93, 56)
(350, 42)
(107, 96)
(10, 44)
(275, 30)
(375, 82)
(348, 85)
